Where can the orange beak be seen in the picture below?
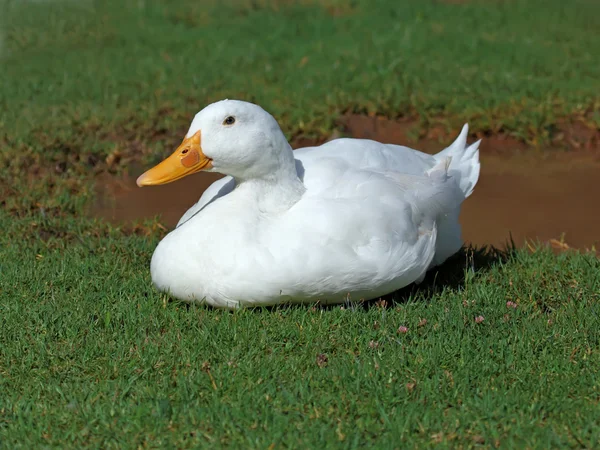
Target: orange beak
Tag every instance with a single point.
(187, 159)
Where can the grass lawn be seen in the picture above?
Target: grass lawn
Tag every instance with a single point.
(92, 356)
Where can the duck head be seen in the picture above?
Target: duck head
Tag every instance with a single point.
(230, 137)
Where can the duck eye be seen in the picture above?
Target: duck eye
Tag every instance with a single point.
(230, 120)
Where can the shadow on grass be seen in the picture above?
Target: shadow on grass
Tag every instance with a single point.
(452, 274)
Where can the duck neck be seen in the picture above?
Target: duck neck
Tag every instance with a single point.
(275, 192)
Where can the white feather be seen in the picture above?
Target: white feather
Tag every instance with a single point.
(349, 219)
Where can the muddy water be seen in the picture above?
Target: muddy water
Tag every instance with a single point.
(533, 197)
(534, 200)
(120, 200)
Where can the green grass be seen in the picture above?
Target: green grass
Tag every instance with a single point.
(480, 61)
(91, 355)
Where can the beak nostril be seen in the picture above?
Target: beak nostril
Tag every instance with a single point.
(185, 150)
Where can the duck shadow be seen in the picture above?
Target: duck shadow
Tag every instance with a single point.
(453, 274)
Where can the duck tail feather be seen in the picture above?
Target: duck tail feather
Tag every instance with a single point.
(464, 163)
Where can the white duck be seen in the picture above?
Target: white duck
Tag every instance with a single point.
(350, 219)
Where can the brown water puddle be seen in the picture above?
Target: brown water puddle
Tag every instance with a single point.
(530, 195)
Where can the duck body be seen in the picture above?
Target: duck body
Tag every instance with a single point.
(351, 219)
